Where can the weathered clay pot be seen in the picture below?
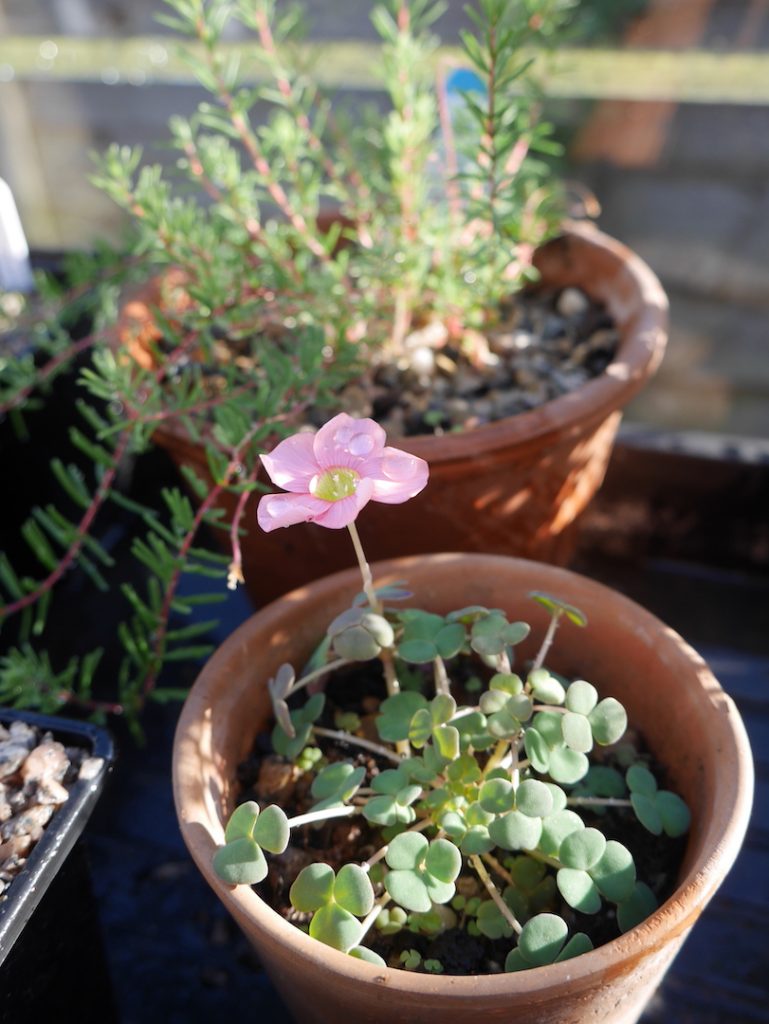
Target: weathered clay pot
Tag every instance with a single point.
(517, 486)
(690, 724)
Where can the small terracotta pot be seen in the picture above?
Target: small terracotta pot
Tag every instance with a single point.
(690, 724)
(516, 486)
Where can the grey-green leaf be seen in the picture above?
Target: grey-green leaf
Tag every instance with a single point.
(579, 890)
(240, 862)
(542, 939)
(272, 831)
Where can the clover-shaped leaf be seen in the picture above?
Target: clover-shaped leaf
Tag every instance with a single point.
(393, 806)
(391, 920)
(430, 723)
(302, 720)
(534, 798)
(241, 861)
(557, 607)
(608, 720)
(427, 636)
(534, 889)
(582, 849)
(547, 751)
(614, 874)
(542, 939)
(585, 877)
(577, 734)
(640, 904)
(545, 688)
(491, 921)
(491, 634)
(395, 714)
(497, 796)
(473, 731)
(602, 781)
(335, 784)
(505, 705)
(464, 770)
(658, 810)
(359, 634)
(353, 891)
(336, 901)
(516, 831)
(336, 927)
(421, 873)
(389, 592)
(579, 890)
(312, 888)
(364, 953)
(555, 828)
(279, 688)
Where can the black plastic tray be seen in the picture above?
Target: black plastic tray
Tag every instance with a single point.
(30, 885)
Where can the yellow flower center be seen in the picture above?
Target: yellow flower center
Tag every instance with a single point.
(335, 484)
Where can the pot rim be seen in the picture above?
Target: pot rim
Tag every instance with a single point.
(640, 352)
(732, 796)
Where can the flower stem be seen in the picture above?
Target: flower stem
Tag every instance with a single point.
(357, 741)
(328, 812)
(373, 914)
(547, 642)
(442, 684)
(502, 871)
(318, 673)
(365, 571)
(597, 801)
(492, 890)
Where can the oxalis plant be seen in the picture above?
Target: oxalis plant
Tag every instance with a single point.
(493, 790)
(274, 310)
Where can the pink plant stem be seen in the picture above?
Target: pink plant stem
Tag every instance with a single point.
(284, 86)
(250, 144)
(235, 572)
(449, 146)
(82, 529)
(47, 370)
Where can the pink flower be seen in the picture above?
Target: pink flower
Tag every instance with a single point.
(331, 475)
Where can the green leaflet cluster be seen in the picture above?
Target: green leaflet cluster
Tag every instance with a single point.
(494, 791)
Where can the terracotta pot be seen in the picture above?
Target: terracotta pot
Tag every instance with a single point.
(690, 724)
(517, 486)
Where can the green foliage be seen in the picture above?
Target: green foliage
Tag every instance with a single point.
(456, 803)
(427, 636)
(335, 784)
(335, 901)
(658, 810)
(240, 861)
(302, 721)
(421, 873)
(359, 635)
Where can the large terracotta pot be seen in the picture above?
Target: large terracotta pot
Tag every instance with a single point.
(517, 486)
(690, 724)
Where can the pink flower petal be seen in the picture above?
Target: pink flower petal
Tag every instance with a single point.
(292, 464)
(347, 442)
(340, 513)
(398, 476)
(276, 510)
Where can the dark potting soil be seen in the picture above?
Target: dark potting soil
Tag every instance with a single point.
(268, 778)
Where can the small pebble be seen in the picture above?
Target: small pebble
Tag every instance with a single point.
(572, 302)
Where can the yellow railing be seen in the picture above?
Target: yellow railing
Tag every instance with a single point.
(685, 77)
